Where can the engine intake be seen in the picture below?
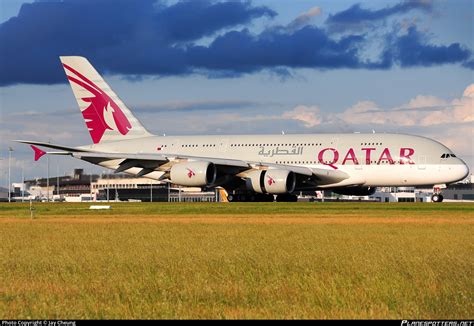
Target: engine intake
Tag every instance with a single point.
(193, 174)
(271, 181)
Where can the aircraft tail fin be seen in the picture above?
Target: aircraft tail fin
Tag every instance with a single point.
(106, 116)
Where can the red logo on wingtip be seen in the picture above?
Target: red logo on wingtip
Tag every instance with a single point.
(99, 103)
(38, 152)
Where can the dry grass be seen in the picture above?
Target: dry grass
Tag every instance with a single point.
(237, 219)
(238, 261)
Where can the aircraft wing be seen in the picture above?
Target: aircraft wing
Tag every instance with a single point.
(148, 160)
(163, 162)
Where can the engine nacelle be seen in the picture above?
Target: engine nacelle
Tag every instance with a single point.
(193, 174)
(271, 181)
(355, 191)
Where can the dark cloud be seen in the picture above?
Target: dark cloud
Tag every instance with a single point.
(356, 17)
(412, 50)
(149, 38)
(191, 20)
(469, 64)
(191, 106)
(122, 36)
(310, 47)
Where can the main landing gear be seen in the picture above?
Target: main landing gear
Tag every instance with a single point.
(437, 197)
(249, 197)
(287, 198)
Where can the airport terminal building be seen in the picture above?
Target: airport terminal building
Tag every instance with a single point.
(81, 187)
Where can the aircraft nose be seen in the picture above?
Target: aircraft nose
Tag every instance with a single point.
(461, 170)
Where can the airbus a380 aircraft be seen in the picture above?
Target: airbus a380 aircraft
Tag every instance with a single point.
(250, 167)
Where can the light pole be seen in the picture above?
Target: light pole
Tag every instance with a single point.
(4, 173)
(10, 150)
(57, 180)
(47, 179)
(22, 182)
(151, 191)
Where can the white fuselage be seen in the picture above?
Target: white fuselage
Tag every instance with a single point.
(369, 159)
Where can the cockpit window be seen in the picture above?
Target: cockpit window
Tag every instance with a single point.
(447, 155)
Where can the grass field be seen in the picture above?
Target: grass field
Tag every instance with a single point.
(239, 260)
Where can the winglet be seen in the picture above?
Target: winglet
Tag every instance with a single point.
(38, 152)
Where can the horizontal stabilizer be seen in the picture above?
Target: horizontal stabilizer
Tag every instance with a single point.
(49, 145)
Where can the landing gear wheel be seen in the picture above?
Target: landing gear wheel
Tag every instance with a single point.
(250, 197)
(437, 198)
(269, 198)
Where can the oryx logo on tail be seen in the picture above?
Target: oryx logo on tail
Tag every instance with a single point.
(100, 104)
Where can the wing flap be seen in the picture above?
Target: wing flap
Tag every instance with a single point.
(326, 176)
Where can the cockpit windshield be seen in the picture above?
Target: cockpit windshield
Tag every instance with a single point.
(447, 155)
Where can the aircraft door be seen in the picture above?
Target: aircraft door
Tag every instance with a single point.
(223, 145)
(422, 162)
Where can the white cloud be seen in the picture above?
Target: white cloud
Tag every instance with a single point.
(308, 115)
(424, 101)
(459, 110)
(469, 91)
(422, 110)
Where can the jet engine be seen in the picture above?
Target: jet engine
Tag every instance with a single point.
(271, 181)
(355, 191)
(193, 174)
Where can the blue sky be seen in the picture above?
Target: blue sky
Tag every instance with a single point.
(240, 67)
